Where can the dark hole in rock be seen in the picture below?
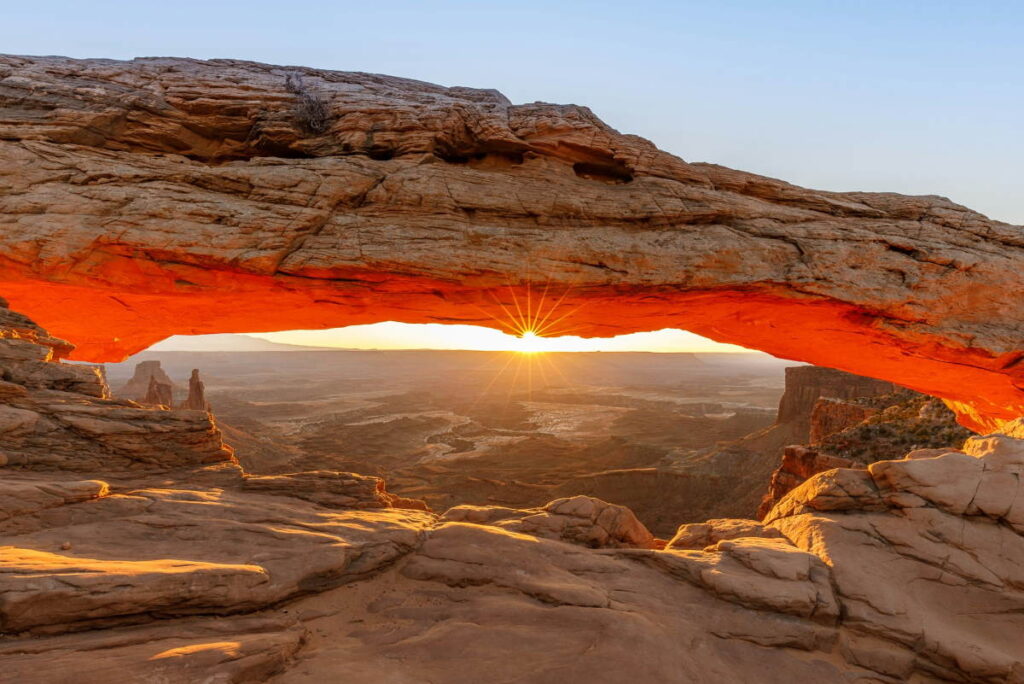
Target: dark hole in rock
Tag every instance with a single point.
(270, 148)
(380, 153)
(489, 159)
(606, 173)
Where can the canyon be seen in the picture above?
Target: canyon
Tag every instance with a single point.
(867, 536)
(148, 553)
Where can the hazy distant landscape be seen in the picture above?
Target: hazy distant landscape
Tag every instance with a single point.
(455, 427)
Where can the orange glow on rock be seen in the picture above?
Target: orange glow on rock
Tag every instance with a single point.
(120, 306)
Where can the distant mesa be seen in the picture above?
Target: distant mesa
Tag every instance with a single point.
(160, 390)
(147, 378)
(228, 342)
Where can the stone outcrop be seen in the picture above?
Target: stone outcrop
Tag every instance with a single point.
(907, 570)
(331, 489)
(168, 196)
(59, 416)
(701, 535)
(579, 520)
(729, 479)
(861, 430)
(805, 385)
(196, 399)
(140, 384)
(799, 463)
(159, 394)
(123, 545)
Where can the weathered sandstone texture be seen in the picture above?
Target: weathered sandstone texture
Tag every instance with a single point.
(158, 196)
(59, 416)
(579, 520)
(859, 430)
(174, 571)
(799, 463)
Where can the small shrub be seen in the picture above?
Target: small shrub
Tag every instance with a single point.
(311, 110)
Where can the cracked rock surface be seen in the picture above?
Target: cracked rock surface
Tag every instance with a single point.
(173, 570)
(169, 196)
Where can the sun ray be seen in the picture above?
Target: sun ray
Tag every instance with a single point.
(554, 307)
(544, 332)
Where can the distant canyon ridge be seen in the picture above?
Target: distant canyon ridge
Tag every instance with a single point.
(169, 196)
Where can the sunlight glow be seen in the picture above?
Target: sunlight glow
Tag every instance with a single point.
(531, 323)
(392, 335)
(530, 343)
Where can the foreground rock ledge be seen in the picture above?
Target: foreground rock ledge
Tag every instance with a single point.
(167, 196)
(148, 558)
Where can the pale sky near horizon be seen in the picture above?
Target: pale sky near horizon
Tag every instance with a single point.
(909, 96)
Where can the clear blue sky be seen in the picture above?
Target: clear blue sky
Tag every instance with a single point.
(914, 96)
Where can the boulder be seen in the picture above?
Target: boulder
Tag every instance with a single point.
(580, 520)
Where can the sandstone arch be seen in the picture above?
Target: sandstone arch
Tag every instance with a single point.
(160, 196)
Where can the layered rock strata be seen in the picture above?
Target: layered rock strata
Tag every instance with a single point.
(858, 431)
(174, 571)
(168, 196)
(60, 416)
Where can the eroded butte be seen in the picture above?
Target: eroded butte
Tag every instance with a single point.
(159, 196)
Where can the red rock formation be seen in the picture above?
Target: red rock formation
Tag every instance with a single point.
(175, 568)
(862, 430)
(743, 467)
(799, 463)
(805, 385)
(138, 387)
(158, 394)
(830, 416)
(59, 416)
(164, 196)
(196, 399)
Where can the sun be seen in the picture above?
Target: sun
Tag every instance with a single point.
(529, 342)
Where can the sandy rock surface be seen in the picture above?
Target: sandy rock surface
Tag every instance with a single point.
(179, 196)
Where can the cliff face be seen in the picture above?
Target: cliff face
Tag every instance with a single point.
(58, 416)
(168, 196)
(175, 568)
(732, 475)
(805, 385)
(830, 416)
(860, 430)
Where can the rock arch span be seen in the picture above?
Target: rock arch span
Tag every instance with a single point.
(162, 196)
